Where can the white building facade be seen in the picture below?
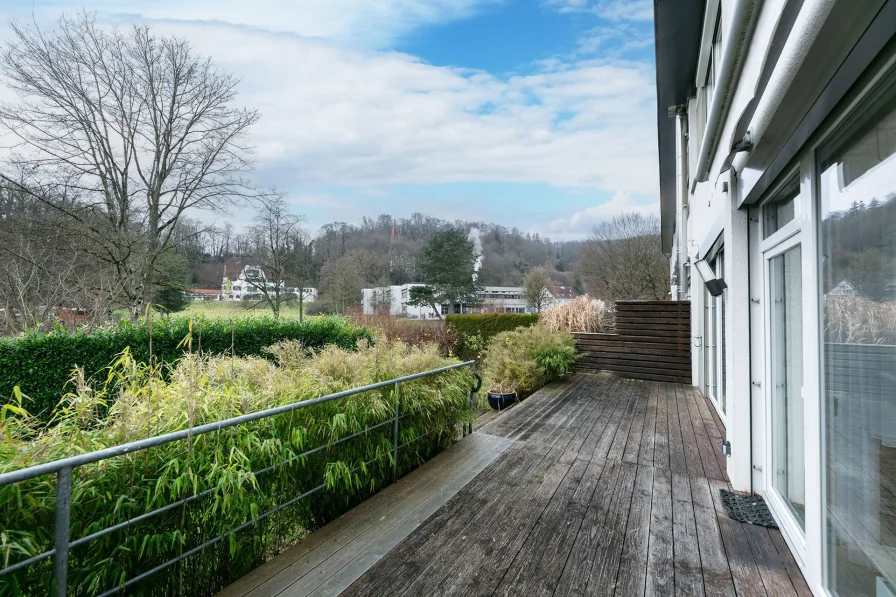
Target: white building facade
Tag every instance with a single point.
(777, 145)
(492, 299)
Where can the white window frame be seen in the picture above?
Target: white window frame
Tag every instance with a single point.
(790, 528)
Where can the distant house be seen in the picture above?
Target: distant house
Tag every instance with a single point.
(560, 295)
(249, 282)
(203, 294)
(844, 288)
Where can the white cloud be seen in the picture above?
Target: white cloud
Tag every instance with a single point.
(358, 23)
(337, 116)
(611, 10)
(582, 222)
(332, 116)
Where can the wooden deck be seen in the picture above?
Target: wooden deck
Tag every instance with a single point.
(605, 486)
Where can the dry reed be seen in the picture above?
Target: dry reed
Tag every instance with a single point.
(853, 319)
(582, 314)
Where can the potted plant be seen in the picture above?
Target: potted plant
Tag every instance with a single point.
(501, 395)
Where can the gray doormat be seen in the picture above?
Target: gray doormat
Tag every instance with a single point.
(747, 508)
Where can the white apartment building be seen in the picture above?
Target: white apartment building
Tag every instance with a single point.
(493, 299)
(777, 154)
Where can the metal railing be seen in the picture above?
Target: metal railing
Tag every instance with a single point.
(63, 470)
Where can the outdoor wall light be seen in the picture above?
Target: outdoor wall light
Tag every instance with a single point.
(714, 285)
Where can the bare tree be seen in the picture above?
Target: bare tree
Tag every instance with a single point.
(47, 276)
(137, 128)
(623, 259)
(341, 282)
(535, 288)
(300, 265)
(275, 231)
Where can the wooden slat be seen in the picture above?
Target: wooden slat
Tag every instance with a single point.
(660, 557)
(648, 435)
(717, 579)
(660, 302)
(677, 459)
(659, 326)
(624, 360)
(609, 347)
(744, 572)
(634, 368)
(635, 339)
(639, 376)
(632, 576)
(577, 572)
(649, 308)
(608, 555)
(629, 357)
(688, 576)
(688, 437)
(682, 317)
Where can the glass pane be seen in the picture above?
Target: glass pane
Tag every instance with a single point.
(719, 270)
(858, 246)
(786, 326)
(708, 345)
(780, 210)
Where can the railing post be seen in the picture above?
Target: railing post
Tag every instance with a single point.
(472, 394)
(62, 529)
(395, 433)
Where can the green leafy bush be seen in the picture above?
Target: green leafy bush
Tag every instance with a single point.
(225, 468)
(525, 359)
(476, 331)
(42, 363)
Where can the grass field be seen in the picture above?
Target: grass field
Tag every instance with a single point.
(233, 309)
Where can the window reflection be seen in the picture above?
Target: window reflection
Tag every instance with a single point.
(858, 245)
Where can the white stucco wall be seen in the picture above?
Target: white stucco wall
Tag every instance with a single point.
(712, 211)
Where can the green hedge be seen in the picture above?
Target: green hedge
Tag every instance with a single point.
(490, 324)
(41, 364)
(475, 331)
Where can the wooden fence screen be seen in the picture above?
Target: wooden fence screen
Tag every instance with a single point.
(652, 340)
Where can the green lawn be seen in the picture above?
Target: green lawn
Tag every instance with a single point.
(232, 309)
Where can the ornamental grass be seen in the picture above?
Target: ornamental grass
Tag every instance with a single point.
(233, 475)
(582, 314)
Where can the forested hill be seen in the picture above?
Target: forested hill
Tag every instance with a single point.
(387, 249)
(508, 253)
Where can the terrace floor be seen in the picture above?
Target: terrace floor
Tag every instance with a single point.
(593, 486)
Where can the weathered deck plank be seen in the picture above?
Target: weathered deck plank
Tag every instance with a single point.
(605, 486)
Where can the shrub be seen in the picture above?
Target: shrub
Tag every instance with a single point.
(203, 389)
(582, 314)
(416, 332)
(525, 359)
(42, 363)
(475, 331)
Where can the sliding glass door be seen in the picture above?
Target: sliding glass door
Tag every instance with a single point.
(784, 266)
(857, 245)
(714, 367)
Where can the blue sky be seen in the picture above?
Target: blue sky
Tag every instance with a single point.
(537, 114)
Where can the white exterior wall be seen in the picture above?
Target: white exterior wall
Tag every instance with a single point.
(499, 298)
(396, 297)
(708, 210)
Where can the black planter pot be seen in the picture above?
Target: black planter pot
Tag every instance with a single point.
(500, 401)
